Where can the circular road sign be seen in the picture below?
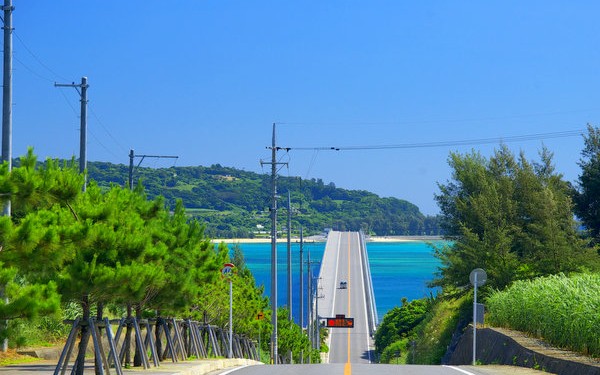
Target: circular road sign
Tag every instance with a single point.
(481, 277)
(227, 270)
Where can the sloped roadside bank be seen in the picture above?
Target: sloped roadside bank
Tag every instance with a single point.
(507, 347)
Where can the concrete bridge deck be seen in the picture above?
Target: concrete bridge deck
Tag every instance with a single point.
(345, 260)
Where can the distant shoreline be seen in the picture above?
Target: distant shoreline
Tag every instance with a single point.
(324, 238)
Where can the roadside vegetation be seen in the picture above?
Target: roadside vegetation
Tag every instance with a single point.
(516, 219)
(561, 309)
(425, 342)
(111, 252)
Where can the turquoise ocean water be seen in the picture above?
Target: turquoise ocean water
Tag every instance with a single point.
(398, 269)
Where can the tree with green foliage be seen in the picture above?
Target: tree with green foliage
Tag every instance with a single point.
(292, 340)
(398, 322)
(95, 247)
(31, 247)
(232, 202)
(248, 300)
(586, 194)
(509, 216)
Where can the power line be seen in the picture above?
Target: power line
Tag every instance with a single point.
(56, 75)
(103, 146)
(444, 121)
(39, 61)
(106, 130)
(30, 70)
(468, 142)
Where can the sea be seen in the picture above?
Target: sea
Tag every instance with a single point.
(398, 270)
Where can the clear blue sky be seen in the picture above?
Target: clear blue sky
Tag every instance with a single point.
(205, 80)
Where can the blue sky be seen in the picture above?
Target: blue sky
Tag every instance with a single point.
(205, 80)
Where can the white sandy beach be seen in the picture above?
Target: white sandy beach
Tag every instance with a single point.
(324, 238)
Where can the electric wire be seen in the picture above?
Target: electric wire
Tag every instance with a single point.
(91, 108)
(39, 61)
(77, 114)
(467, 142)
(30, 70)
(103, 146)
(56, 75)
(443, 121)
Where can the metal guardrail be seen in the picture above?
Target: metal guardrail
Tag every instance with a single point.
(371, 305)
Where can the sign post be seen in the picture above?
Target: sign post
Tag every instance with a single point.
(478, 277)
(227, 271)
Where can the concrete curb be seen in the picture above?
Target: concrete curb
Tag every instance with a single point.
(496, 347)
(196, 367)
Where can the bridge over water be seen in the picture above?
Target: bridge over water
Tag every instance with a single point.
(345, 289)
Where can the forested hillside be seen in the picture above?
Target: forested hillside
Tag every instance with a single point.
(235, 203)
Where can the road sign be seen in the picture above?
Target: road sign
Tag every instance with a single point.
(260, 316)
(480, 313)
(479, 275)
(227, 270)
(340, 321)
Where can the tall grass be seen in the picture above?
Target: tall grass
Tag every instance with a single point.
(564, 311)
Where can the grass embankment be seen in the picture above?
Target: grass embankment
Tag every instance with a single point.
(427, 342)
(434, 333)
(562, 310)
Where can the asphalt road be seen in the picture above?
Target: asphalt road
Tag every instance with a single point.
(370, 369)
(199, 367)
(349, 345)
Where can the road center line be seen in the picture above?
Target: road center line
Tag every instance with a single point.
(348, 367)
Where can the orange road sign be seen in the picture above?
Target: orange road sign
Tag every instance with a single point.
(340, 321)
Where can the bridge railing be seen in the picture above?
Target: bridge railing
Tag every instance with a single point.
(371, 305)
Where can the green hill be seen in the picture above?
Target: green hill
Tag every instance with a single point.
(235, 203)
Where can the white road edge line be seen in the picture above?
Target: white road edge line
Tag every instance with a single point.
(234, 369)
(335, 277)
(460, 370)
(337, 261)
(362, 278)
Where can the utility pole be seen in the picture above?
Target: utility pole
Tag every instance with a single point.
(132, 156)
(274, 163)
(317, 338)
(83, 120)
(301, 289)
(289, 256)
(7, 93)
(313, 313)
(309, 301)
(7, 116)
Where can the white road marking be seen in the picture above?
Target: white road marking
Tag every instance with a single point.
(460, 370)
(234, 369)
(335, 278)
(362, 279)
(333, 289)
